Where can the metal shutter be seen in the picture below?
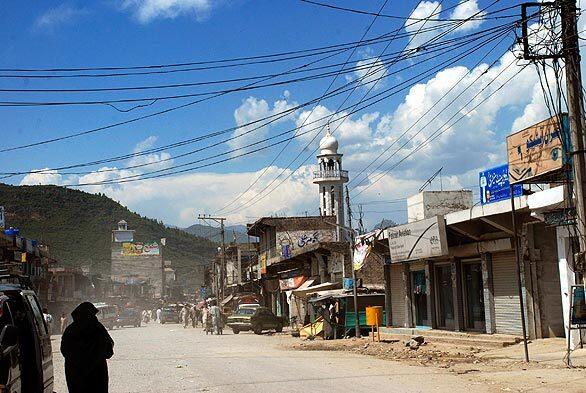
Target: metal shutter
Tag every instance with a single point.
(397, 295)
(506, 294)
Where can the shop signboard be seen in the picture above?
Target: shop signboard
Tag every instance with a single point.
(560, 217)
(537, 150)
(578, 306)
(263, 263)
(287, 284)
(140, 249)
(495, 186)
(418, 240)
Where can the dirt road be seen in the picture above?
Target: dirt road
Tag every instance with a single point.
(169, 358)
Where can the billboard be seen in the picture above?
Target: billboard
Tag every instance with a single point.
(139, 249)
(537, 150)
(418, 240)
(495, 186)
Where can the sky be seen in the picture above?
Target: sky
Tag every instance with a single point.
(430, 92)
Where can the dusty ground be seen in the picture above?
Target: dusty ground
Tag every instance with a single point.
(171, 359)
(504, 367)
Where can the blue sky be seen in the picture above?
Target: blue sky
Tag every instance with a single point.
(53, 34)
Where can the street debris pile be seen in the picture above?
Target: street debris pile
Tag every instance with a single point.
(460, 359)
(414, 349)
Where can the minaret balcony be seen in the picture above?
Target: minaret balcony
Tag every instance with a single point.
(330, 175)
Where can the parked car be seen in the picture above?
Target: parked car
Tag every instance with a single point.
(169, 314)
(256, 319)
(107, 315)
(251, 306)
(129, 317)
(26, 359)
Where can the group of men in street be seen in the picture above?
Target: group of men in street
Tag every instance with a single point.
(190, 315)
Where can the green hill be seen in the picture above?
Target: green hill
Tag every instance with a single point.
(78, 225)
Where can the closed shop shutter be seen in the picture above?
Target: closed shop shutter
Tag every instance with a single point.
(506, 294)
(397, 295)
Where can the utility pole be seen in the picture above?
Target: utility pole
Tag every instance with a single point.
(219, 220)
(571, 54)
(354, 282)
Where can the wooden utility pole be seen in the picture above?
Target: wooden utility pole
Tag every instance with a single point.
(354, 283)
(571, 54)
(221, 282)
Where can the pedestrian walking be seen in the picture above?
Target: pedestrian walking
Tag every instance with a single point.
(206, 320)
(48, 321)
(64, 322)
(184, 316)
(159, 311)
(86, 345)
(193, 316)
(216, 318)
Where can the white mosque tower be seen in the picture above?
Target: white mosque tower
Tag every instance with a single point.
(331, 178)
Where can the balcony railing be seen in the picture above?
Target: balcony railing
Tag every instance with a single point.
(330, 174)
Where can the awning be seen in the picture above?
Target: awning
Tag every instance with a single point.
(227, 300)
(303, 293)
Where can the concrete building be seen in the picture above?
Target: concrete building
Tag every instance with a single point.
(293, 250)
(136, 268)
(465, 277)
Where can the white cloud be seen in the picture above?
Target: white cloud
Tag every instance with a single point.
(253, 109)
(150, 162)
(429, 11)
(146, 11)
(476, 142)
(370, 74)
(467, 9)
(58, 16)
(348, 130)
(422, 32)
(45, 177)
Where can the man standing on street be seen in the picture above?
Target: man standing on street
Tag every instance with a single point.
(63, 322)
(185, 316)
(48, 321)
(86, 345)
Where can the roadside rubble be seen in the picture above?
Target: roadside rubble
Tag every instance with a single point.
(460, 359)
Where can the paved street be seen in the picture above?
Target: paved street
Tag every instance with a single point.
(170, 359)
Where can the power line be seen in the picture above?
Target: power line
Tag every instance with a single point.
(365, 62)
(274, 117)
(140, 177)
(313, 109)
(198, 94)
(258, 199)
(362, 12)
(132, 120)
(439, 132)
(335, 49)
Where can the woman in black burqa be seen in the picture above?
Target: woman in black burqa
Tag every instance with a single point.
(86, 345)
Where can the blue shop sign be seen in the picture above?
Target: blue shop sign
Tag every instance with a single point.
(495, 186)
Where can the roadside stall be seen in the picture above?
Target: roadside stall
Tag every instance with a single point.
(338, 306)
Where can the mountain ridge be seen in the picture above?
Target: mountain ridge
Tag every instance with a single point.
(77, 227)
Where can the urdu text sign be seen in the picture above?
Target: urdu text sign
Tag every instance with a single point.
(537, 150)
(417, 240)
